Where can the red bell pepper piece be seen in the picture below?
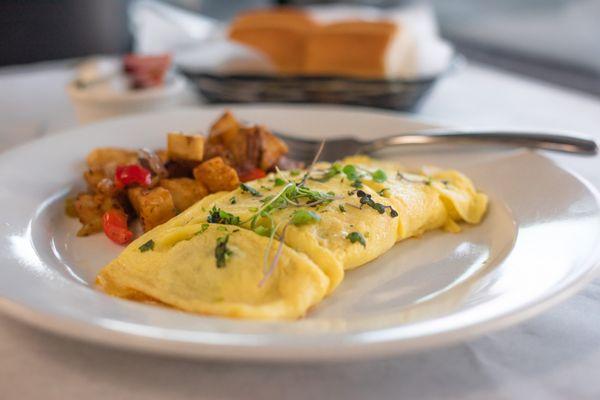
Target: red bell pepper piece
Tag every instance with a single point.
(114, 223)
(126, 175)
(253, 174)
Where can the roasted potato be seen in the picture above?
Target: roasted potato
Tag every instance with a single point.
(271, 149)
(92, 178)
(106, 159)
(185, 191)
(89, 209)
(216, 175)
(185, 147)
(153, 206)
(243, 147)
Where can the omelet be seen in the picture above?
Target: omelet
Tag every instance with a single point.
(180, 269)
(430, 199)
(290, 237)
(325, 242)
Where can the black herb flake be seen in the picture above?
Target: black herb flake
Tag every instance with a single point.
(249, 189)
(366, 199)
(232, 200)
(149, 245)
(357, 184)
(342, 208)
(354, 237)
(222, 252)
(218, 216)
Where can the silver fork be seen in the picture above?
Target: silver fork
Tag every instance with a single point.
(305, 149)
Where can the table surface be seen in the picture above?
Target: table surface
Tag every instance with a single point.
(553, 356)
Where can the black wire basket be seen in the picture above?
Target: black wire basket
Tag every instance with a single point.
(394, 94)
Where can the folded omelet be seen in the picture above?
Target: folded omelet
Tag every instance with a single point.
(337, 217)
(181, 271)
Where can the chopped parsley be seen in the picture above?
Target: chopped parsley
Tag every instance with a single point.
(351, 172)
(279, 182)
(249, 189)
(218, 216)
(203, 229)
(232, 200)
(354, 237)
(149, 245)
(222, 252)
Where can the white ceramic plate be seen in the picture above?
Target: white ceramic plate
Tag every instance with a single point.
(538, 244)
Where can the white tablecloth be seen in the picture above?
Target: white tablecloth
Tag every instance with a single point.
(553, 356)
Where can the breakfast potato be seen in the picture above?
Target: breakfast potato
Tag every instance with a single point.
(185, 191)
(185, 147)
(244, 147)
(216, 175)
(93, 178)
(107, 158)
(163, 155)
(226, 125)
(272, 149)
(89, 208)
(153, 206)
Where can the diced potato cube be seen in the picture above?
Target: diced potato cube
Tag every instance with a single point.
(185, 147)
(185, 191)
(225, 127)
(108, 158)
(92, 178)
(153, 206)
(162, 155)
(272, 148)
(216, 175)
(89, 209)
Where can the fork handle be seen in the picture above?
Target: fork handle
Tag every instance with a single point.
(555, 142)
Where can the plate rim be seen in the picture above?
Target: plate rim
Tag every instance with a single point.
(83, 330)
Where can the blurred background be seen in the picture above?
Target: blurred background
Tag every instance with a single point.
(553, 40)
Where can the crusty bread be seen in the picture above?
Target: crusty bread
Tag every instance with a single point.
(298, 43)
(279, 33)
(356, 48)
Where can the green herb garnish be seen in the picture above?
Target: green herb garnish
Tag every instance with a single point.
(295, 172)
(357, 184)
(218, 216)
(354, 237)
(379, 176)
(351, 172)
(334, 170)
(279, 182)
(203, 229)
(263, 230)
(342, 208)
(149, 245)
(232, 200)
(304, 217)
(222, 252)
(249, 189)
